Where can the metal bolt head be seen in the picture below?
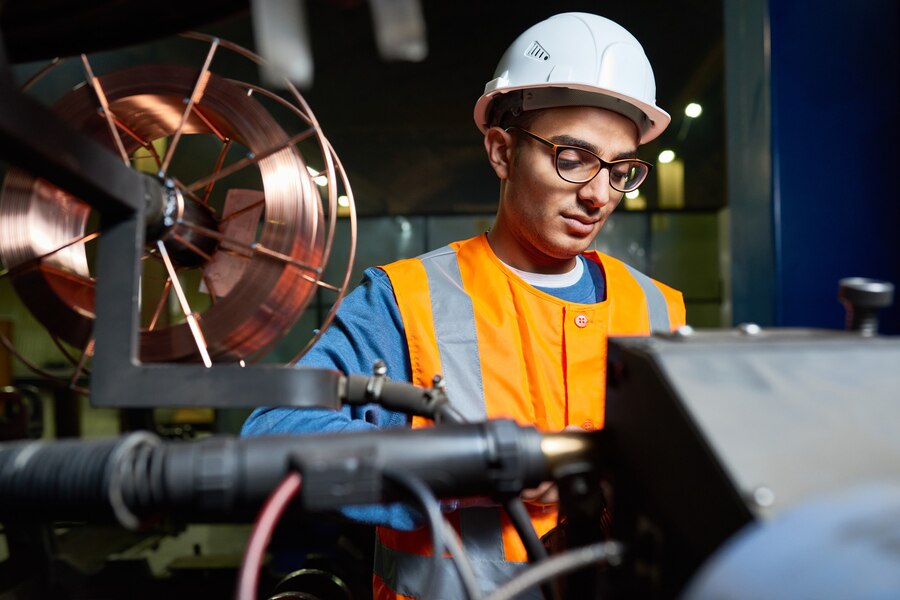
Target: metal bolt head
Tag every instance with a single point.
(763, 496)
(437, 382)
(379, 368)
(685, 331)
(749, 329)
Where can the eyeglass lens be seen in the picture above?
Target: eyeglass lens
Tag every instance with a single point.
(578, 166)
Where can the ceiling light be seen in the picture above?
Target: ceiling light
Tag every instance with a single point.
(693, 110)
(633, 194)
(666, 156)
(343, 200)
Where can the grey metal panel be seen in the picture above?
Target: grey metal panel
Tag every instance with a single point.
(744, 427)
(799, 412)
(748, 103)
(799, 418)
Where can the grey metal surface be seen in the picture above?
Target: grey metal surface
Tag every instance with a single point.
(791, 414)
(748, 102)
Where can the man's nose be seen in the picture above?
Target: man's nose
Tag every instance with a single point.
(596, 192)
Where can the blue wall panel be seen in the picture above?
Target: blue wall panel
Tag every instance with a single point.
(835, 114)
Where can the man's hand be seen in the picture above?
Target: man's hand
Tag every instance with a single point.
(546, 494)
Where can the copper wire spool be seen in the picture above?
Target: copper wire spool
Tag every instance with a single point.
(258, 254)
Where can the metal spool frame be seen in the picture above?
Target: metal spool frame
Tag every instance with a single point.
(147, 216)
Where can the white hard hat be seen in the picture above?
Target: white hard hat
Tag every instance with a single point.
(576, 59)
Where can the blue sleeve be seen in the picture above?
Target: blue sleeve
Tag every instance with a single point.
(367, 327)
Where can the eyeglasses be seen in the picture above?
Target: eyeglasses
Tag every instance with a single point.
(579, 165)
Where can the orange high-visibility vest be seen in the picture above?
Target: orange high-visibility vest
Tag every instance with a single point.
(506, 350)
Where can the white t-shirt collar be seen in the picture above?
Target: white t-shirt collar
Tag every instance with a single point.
(542, 280)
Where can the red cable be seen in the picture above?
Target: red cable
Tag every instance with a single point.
(248, 579)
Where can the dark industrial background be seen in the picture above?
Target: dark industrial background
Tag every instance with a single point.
(795, 95)
(787, 175)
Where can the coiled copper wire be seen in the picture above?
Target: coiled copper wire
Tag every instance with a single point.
(282, 266)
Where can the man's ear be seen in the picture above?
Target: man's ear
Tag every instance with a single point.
(499, 147)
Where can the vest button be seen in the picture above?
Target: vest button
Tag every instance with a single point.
(581, 320)
(587, 426)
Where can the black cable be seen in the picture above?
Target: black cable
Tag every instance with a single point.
(521, 520)
(557, 566)
(432, 512)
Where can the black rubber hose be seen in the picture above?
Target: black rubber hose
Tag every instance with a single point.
(68, 479)
(224, 478)
(520, 519)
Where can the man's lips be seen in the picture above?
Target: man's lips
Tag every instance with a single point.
(583, 219)
(580, 224)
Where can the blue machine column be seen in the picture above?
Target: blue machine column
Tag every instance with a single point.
(813, 100)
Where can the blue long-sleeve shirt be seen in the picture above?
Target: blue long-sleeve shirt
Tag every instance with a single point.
(368, 327)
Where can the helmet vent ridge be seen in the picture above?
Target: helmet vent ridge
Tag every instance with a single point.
(537, 52)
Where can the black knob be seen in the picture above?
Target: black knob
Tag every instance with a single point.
(862, 298)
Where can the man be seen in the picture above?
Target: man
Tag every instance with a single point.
(515, 320)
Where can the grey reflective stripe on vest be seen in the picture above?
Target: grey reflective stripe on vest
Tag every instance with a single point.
(454, 328)
(481, 531)
(656, 302)
(416, 570)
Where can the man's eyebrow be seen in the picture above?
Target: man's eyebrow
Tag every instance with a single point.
(568, 140)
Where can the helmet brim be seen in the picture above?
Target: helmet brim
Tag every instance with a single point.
(654, 122)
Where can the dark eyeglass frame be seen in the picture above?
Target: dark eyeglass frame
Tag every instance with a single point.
(559, 148)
